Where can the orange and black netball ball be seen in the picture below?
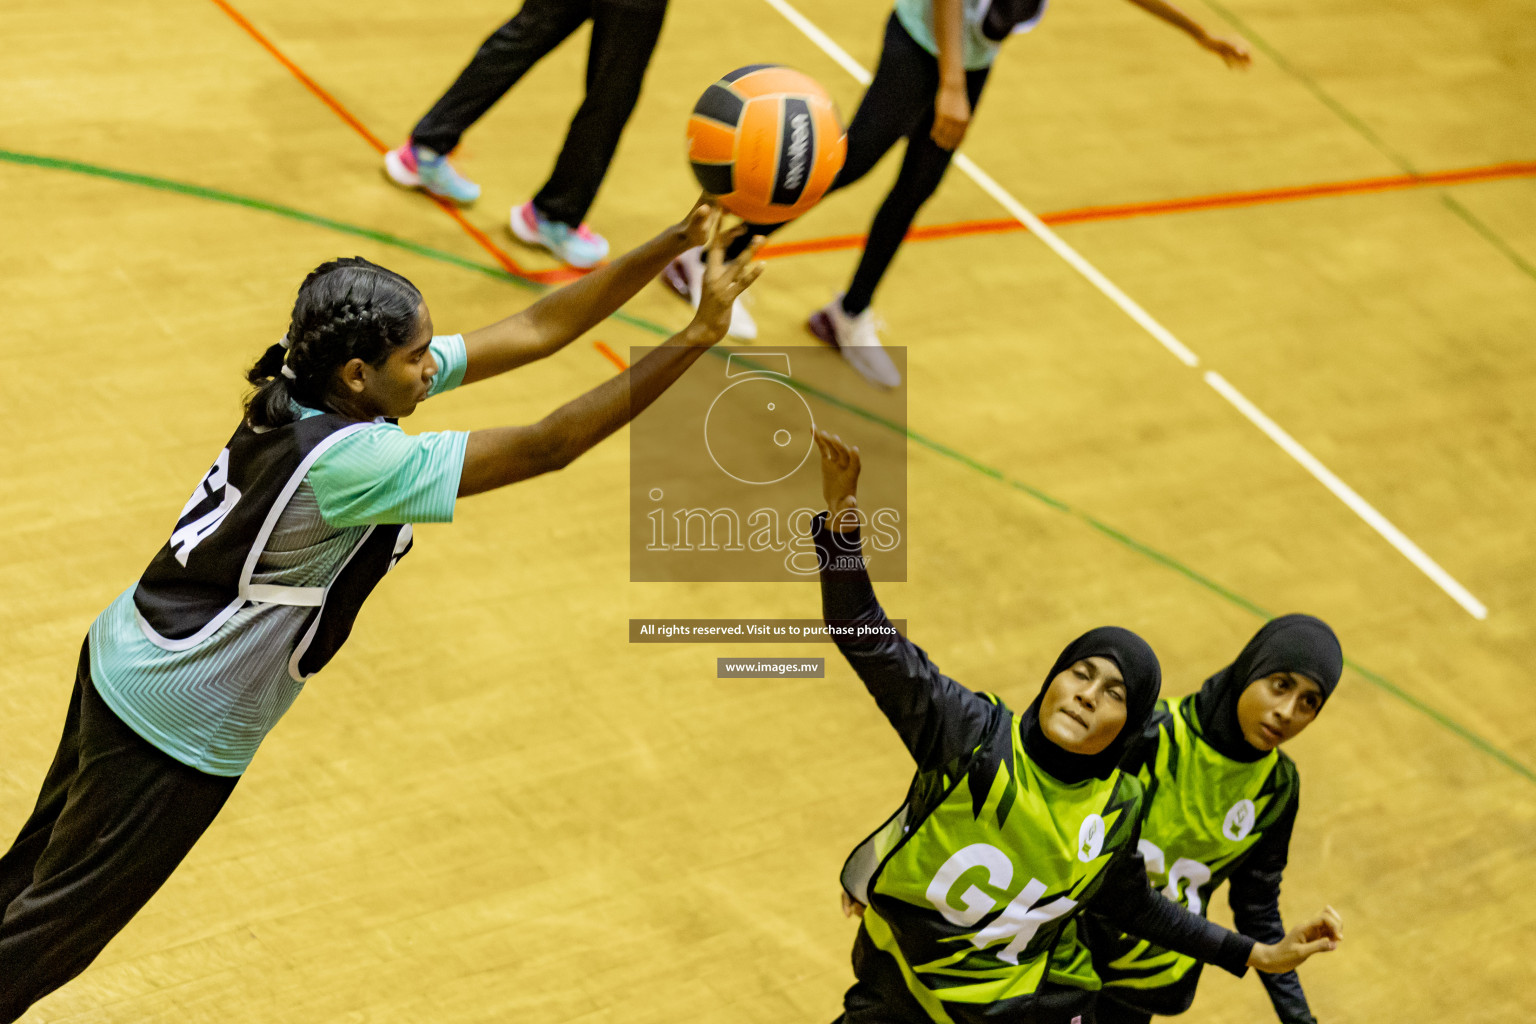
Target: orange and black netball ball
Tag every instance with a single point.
(767, 141)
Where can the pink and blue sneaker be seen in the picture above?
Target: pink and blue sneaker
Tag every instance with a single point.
(413, 166)
(579, 246)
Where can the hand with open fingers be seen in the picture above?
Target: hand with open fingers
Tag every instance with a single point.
(951, 117)
(724, 280)
(695, 226)
(839, 481)
(1319, 935)
(1230, 50)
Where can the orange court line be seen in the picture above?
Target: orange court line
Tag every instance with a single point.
(511, 266)
(612, 356)
(1125, 211)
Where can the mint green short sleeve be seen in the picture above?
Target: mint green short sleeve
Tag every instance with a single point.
(977, 51)
(384, 475)
(452, 360)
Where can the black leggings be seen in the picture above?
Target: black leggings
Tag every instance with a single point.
(115, 817)
(623, 38)
(898, 104)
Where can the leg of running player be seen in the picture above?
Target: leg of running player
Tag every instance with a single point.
(502, 60)
(847, 322)
(496, 67)
(623, 39)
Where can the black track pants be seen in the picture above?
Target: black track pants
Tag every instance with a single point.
(623, 38)
(899, 104)
(115, 817)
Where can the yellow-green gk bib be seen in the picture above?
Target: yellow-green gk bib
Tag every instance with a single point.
(971, 884)
(1202, 814)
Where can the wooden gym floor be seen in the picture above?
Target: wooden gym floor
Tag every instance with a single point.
(492, 807)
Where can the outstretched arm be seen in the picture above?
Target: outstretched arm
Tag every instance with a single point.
(504, 455)
(936, 717)
(565, 314)
(1130, 904)
(1230, 50)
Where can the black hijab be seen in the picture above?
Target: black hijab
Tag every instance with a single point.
(1143, 678)
(1291, 643)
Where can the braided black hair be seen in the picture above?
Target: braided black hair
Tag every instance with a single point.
(347, 309)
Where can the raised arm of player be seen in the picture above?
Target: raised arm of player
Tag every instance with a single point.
(937, 718)
(565, 314)
(1230, 50)
(503, 455)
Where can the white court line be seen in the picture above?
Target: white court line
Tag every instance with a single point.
(1347, 495)
(821, 39)
(1074, 258)
(1180, 351)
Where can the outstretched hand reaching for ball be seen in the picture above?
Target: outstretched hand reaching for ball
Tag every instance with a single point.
(695, 226)
(724, 280)
(839, 481)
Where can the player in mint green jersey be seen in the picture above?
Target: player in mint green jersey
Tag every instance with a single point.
(971, 894)
(1220, 803)
(305, 509)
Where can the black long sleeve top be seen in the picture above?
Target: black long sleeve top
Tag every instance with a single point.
(1254, 894)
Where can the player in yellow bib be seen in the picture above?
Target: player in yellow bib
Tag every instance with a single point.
(971, 894)
(1221, 800)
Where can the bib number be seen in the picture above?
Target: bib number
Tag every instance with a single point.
(1019, 921)
(189, 534)
(1192, 874)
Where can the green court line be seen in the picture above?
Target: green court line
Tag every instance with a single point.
(1476, 224)
(1444, 720)
(443, 256)
(233, 199)
(291, 213)
(1355, 122)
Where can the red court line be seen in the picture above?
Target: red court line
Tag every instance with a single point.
(1125, 211)
(612, 356)
(507, 263)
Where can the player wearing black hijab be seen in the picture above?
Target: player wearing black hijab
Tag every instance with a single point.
(1220, 803)
(1014, 823)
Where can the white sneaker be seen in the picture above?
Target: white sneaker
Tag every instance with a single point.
(858, 339)
(685, 275)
